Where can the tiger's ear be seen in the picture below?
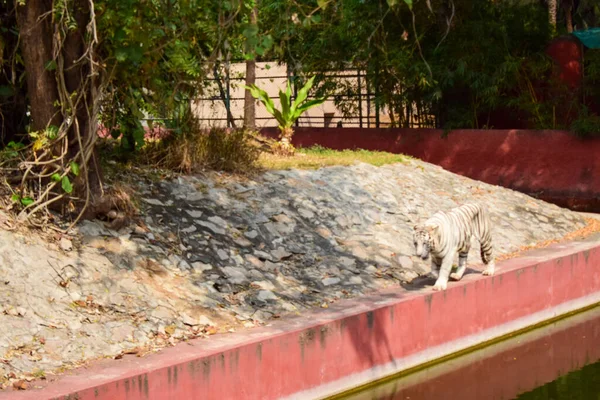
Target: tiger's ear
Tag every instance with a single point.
(433, 230)
(418, 227)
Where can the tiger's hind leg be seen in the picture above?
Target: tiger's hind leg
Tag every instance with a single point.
(462, 266)
(487, 256)
(491, 267)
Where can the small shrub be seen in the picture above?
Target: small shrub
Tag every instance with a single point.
(586, 124)
(230, 150)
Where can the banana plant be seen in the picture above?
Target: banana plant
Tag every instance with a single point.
(290, 110)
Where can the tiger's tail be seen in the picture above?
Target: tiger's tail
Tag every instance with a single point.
(485, 235)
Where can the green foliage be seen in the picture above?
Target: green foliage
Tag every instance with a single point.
(155, 53)
(586, 124)
(455, 63)
(291, 109)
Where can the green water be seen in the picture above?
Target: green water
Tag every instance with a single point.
(581, 384)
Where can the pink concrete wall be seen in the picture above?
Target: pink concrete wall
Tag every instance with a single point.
(553, 165)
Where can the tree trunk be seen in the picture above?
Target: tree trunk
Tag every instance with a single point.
(37, 30)
(13, 107)
(569, 15)
(78, 81)
(552, 6)
(249, 102)
(36, 46)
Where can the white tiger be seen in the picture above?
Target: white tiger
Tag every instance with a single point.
(447, 233)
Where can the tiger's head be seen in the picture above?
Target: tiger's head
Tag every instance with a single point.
(424, 238)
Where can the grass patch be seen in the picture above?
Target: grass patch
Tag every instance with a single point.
(318, 157)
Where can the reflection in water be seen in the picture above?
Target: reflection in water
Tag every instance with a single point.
(557, 362)
(582, 384)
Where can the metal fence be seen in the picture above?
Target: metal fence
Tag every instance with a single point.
(352, 101)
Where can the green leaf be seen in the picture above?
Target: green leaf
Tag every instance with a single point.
(392, 3)
(267, 42)
(250, 31)
(52, 132)
(50, 65)
(302, 94)
(66, 185)
(310, 104)
(322, 3)
(15, 198)
(26, 201)
(55, 177)
(263, 97)
(75, 168)
(284, 99)
(6, 91)
(409, 3)
(121, 54)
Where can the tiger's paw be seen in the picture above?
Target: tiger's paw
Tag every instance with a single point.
(455, 276)
(440, 286)
(488, 271)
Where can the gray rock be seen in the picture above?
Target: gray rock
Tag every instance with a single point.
(154, 202)
(330, 281)
(251, 234)
(223, 255)
(280, 254)
(347, 262)
(354, 280)
(212, 227)
(265, 295)
(263, 255)
(218, 221)
(194, 213)
(90, 228)
(189, 229)
(242, 242)
(200, 266)
(235, 275)
(306, 213)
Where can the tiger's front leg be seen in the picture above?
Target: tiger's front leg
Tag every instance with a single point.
(442, 281)
(435, 269)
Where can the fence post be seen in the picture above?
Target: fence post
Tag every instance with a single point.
(228, 92)
(360, 111)
(376, 98)
(367, 84)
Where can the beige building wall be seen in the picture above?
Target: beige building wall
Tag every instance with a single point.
(272, 78)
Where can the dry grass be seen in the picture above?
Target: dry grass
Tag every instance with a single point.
(234, 150)
(318, 157)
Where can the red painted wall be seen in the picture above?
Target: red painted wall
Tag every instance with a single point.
(552, 165)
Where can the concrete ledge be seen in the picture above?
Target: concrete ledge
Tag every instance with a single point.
(351, 343)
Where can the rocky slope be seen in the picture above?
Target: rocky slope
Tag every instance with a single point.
(212, 253)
